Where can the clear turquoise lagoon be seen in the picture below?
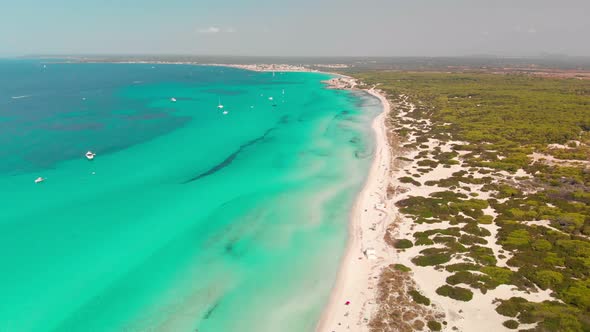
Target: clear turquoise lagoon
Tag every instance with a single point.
(187, 219)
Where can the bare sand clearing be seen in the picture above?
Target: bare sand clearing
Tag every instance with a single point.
(352, 300)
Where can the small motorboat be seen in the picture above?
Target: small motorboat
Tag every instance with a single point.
(90, 155)
(220, 105)
(270, 98)
(225, 112)
(173, 99)
(39, 180)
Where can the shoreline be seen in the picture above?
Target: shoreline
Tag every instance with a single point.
(366, 251)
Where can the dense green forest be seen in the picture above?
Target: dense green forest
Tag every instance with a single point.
(501, 122)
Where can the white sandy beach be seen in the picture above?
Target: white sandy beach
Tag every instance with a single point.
(358, 275)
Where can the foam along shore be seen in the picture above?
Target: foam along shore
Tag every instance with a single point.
(352, 299)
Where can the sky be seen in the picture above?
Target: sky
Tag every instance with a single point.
(296, 27)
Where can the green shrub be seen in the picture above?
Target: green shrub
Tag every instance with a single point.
(542, 245)
(403, 244)
(424, 241)
(482, 255)
(506, 191)
(476, 230)
(444, 239)
(434, 325)
(419, 298)
(427, 163)
(511, 324)
(498, 274)
(570, 221)
(578, 294)
(407, 179)
(547, 279)
(553, 259)
(517, 238)
(550, 315)
(451, 231)
(485, 219)
(402, 267)
(456, 293)
(431, 257)
(511, 307)
(425, 207)
(472, 208)
(462, 277)
(470, 239)
(575, 248)
(462, 267)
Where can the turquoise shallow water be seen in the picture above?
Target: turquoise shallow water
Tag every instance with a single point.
(187, 219)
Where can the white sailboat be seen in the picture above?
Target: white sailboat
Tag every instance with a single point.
(219, 105)
(90, 155)
(39, 180)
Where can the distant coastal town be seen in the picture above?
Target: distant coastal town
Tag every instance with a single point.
(259, 67)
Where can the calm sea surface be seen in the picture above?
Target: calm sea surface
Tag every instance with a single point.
(187, 219)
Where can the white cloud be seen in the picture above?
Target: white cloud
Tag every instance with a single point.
(210, 30)
(215, 29)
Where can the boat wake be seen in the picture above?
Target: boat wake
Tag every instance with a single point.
(21, 97)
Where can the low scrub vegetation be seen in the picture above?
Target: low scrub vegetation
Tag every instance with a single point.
(541, 220)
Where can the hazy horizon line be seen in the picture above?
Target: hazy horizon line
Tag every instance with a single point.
(483, 55)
